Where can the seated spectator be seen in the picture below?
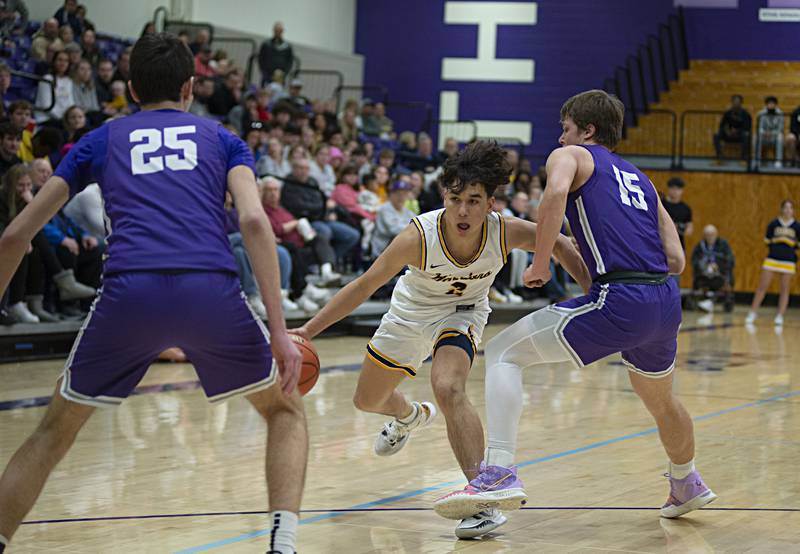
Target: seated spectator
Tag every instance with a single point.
(13, 17)
(227, 94)
(392, 217)
(408, 142)
(793, 139)
(5, 84)
(520, 205)
(19, 113)
(26, 289)
(10, 141)
(348, 126)
(91, 52)
(734, 128)
(358, 157)
(770, 131)
(74, 121)
(417, 182)
(384, 125)
(368, 198)
(382, 181)
(119, 98)
(424, 159)
(76, 249)
(450, 149)
(273, 163)
(305, 247)
(296, 95)
(202, 61)
(47, 143)
(319, 125)
(83, 88)
(123, 70)
(203, 89)
(220, 62)
(282, 114)
(308, 138)
(67, 36)
(46, 37)
(523, 182)
(65, 91)
(67, 15)
(337, 159)
(322, 171)
(244, 113)
(712, 269)
(367, 122)
(304, 199)
(276, 86)
(86, 24)
(347, 194)
(245, 270)
(513, 158)
(201, 40)
(102, 81)
(252, 137)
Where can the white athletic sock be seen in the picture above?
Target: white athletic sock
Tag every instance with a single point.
(681, 471)
(411, 417)
(499, 457)
(283, 533)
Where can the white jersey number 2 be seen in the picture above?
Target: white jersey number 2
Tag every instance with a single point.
(626, 188)
(148, 141)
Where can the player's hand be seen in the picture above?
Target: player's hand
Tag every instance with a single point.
(71, 245)
(535, 277)
(89, 242)
(301, 332)
(288, 359)
(29, 249)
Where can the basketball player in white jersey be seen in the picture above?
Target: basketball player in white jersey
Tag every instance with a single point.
(439, 307)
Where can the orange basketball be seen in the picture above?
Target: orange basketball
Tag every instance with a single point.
(309, 370)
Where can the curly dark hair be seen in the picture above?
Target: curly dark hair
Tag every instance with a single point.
(480, 163)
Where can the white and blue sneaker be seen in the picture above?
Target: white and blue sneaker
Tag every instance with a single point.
(395, 434)
(480, 524)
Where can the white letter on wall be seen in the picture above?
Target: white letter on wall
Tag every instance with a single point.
(487, 16)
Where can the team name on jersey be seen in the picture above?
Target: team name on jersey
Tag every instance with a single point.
(787, 232)
(450, 278)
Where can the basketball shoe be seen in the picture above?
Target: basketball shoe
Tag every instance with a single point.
(686, 495)
(494, 487)
(480, 524)
(396, 433)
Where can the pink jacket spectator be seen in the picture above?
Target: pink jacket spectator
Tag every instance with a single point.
(347, 197)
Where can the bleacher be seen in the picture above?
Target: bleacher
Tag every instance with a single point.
(700, 96)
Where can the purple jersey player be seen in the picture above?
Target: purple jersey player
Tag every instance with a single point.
(169, 280)
(630, 246)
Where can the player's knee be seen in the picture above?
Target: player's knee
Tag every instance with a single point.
(366, 402)
(491, 353)
(447, 391)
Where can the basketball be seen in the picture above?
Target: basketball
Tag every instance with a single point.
(309, 370)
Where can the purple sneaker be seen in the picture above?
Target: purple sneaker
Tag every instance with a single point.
(686, 495)
(494, 487)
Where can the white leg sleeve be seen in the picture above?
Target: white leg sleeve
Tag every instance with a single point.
(530, 341)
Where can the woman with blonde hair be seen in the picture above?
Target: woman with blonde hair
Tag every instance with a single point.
(782, 238)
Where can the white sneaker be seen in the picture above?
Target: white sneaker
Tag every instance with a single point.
(316, 294)
(750, 319)
(395, 434)
(286, 302)
(480, 524)
(496, 296)
(779, 320)
(20, 313)
(513, 298)
(257, 305)
(307, 305)
(328, 276)
(706, 305)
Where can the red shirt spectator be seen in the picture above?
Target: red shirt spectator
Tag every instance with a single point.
(278, 217)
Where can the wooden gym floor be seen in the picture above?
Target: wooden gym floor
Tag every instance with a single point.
(168, 473)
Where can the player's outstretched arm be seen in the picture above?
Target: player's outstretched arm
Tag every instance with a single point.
(676, 258)
(522, 234)
(402, 251)
(23, 228)
(562, 166)
(262, 252)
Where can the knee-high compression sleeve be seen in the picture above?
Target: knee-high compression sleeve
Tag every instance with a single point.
(528, 342)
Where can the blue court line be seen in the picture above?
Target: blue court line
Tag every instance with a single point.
(395, 509)
(418, 492)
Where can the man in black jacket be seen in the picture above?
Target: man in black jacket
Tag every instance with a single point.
(712, 269)
(302, 197)
(275, 53)
(735, 127)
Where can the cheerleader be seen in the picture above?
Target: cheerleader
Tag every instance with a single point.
(782, 237)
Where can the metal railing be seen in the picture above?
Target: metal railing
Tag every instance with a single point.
(321, 84)
(378, 93)
(16, 92)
